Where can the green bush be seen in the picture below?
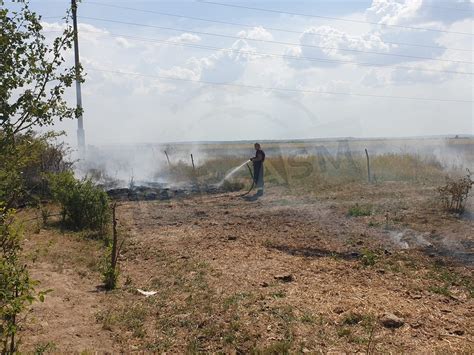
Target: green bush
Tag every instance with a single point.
(23, 163)
(84, 205)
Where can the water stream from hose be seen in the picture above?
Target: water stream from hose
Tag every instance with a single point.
(232, 172)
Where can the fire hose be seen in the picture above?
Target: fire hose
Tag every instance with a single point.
(253, 182)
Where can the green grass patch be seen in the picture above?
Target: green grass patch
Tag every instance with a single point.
(235, 299)
(360, 210)
(343, 332)
(308, 318)
(278, 348)
(369, 258)
(352, 318)
(279, 294)
(42, 348)
(130, 318)
(448, 278)
(440, 290)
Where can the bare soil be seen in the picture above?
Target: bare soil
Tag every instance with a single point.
(284, 273)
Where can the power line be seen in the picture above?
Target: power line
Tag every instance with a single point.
(268, 28)
(439, 7)
(281, 89)
(285, 56)
(333, 18)
(275, 42)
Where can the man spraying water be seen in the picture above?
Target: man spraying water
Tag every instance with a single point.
(257, 161)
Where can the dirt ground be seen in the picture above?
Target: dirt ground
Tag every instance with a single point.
(285, 273)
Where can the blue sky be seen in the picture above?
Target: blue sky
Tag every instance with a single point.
(150, 109)
(191, 7)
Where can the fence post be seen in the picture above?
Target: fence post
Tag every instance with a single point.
(167, 158)
(368, 166)
(192, 161)
(115, 237)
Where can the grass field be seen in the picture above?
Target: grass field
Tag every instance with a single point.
(325, 262)
(345, 159)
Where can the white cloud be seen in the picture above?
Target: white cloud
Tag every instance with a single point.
(392, 12)
(326, 42)
(256, 33)
(186, 38)
(425, 13)
(91, 29)
(136, 108)
(52, 26)
(180, 73)
(123, 42)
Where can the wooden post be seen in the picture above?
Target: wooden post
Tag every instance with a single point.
(167, 158)
(115, 237)
(192, 161)
(368, 166)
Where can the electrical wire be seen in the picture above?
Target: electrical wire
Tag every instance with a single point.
(437, 7)
(332, 18)
(247, 86)
(266, 27)
(274, 55)
(274, 42)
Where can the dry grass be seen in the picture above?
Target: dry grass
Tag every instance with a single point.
(317, 173)
(213, 261)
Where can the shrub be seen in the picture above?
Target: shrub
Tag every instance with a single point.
(23, 164)
(84, 205)
(455, 192)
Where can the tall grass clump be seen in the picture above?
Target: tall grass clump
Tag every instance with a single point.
(83, 204)
(454, 192)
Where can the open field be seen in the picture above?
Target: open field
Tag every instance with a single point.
(296, 178)
(393, 159)
(316, 265)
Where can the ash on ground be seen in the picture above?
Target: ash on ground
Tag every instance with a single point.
(162, 192)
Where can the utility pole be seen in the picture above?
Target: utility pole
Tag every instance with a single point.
(81, 138)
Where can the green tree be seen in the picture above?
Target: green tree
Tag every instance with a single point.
(24, 165)
(33, 78)
(33, 73)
